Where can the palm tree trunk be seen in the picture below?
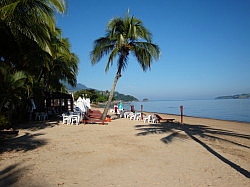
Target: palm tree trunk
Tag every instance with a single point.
(111, 94)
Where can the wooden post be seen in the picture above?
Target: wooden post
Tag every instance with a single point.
(181, 108)
(141, 112)
(132, 108)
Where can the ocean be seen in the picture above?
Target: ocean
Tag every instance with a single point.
(223, 109)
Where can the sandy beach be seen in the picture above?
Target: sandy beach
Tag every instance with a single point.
(199, 152)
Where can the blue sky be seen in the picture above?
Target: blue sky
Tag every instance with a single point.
(205, 46)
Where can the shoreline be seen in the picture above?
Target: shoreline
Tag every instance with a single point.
(100, 107)
(178, 115)
(192, 119)
(201, 117)
(232, 110)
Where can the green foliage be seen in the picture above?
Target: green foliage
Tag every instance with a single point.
(13, 90)
(125, 36)
(34, 57)
(125, 98)
(102, 96)
(94, 95)
(118, 96)
(3, 121)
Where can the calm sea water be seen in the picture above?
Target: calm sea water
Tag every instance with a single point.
(224, 109)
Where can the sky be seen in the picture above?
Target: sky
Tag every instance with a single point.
(205, 46)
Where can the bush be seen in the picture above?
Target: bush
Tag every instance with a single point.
(3, 121)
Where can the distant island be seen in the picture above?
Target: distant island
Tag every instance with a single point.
(238, 96)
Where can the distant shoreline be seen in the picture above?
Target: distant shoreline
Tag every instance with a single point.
(199, 117)
(238, 96)
(178, 115)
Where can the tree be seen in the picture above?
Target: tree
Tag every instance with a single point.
(32, 45)
(94, 95)
(33, 19)
(59, 68)
(28, 30)
(13, 89)
(124, 36)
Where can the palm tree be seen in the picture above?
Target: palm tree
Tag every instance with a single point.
(28, 33)
(33, 19)
(31, 44)
(61, 67)
(13, 89)
(124, 36)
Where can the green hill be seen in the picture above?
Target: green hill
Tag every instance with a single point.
(117, 95)
(79, 86)
(122, 97)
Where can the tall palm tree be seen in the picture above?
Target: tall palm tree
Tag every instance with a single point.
(124, 36)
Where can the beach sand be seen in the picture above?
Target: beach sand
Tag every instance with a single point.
(200, 152)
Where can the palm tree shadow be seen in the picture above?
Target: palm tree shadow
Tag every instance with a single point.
(9, 176)
(38, 125)
(25, 142)
(184, 131)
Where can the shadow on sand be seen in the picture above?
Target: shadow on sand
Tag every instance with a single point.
(9, 176)
(196, 133)
(25, 141)
(38, 125)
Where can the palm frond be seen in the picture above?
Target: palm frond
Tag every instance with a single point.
(112, 55)
(102, 46)
(32, 18)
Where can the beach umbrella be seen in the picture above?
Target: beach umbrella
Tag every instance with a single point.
(80, 104)
(86, 102)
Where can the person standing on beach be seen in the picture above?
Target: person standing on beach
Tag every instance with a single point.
(115, 108)
(120, 107)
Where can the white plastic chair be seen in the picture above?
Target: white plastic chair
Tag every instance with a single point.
(139, 116)
(128, 114)
(66, 119)
(43, 116)
(148, 119)
(75, 119)
(155, 119)
(134, 116)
